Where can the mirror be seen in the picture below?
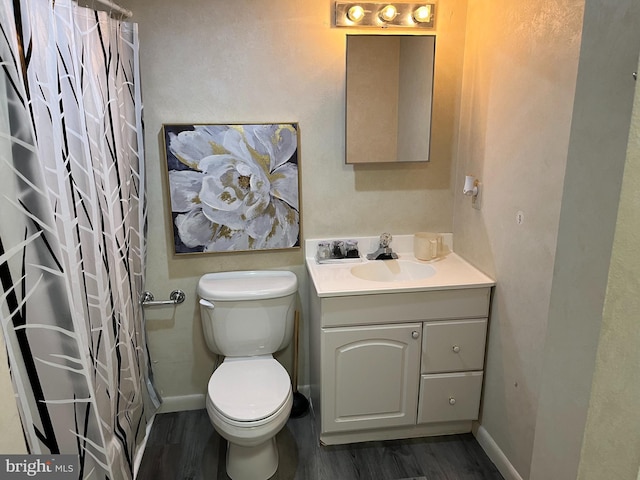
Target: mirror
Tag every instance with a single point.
(389, 95)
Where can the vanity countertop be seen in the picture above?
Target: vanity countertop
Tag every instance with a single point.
(336, 279)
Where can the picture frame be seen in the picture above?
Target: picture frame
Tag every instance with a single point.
(233, 187)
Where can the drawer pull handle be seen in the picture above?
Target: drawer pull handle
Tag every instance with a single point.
(455, 348)
(452, 401)
(415, 334)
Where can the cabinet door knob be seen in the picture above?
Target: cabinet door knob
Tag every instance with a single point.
(452, 401)
(415, 334)
(455, 348)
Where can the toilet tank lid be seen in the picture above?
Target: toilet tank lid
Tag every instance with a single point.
(247, 285)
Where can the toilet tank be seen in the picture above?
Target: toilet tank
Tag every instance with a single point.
(247, 313)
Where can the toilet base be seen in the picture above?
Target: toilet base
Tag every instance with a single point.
(259, 462)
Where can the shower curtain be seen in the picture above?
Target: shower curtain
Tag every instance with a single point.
(72, 233)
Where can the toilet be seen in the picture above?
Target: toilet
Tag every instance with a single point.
(246, 317)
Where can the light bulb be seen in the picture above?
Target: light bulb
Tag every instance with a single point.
(388, 13)
(355, 13)
(422, 14)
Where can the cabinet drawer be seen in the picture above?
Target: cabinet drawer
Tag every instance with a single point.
(449, 397)
(453, 346)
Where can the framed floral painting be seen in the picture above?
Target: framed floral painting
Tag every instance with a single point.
(233, 187)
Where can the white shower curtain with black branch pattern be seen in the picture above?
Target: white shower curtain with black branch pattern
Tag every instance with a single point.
(72, 233)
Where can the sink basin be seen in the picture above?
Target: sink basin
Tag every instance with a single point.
(392, 271)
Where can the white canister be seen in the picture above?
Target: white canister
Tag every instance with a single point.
(427, 245)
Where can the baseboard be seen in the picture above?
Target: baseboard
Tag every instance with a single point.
(496, 455)
(183, 402)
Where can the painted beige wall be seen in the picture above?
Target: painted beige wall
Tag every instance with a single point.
(616, 388)
(591, 192)
(541, 98)
(219, 62)
(520, 67)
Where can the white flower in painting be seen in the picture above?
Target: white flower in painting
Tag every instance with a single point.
(241, 192)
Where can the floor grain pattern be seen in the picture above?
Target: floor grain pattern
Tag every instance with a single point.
(184, 446)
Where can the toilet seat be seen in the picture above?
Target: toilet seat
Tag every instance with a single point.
(249, 389)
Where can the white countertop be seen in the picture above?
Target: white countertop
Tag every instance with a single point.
(335, 280)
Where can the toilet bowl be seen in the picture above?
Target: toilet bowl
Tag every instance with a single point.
(249, 401)
(246, 317)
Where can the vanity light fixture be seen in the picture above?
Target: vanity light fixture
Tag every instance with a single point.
(382, 15)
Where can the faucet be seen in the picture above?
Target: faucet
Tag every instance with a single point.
(384, 251)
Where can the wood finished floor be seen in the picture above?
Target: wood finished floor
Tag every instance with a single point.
(184, 446)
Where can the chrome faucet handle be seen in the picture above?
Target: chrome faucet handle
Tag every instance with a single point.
(385, 240)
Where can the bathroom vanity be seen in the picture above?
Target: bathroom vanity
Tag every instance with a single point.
(396, 358)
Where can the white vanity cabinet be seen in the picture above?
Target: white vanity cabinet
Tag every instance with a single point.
(397, 365)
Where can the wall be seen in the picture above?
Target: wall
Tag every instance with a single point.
(519, 82)
(591, 192)
(615, 385)
(546, 106)
(243, 61)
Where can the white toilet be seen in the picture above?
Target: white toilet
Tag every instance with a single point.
(248, 316)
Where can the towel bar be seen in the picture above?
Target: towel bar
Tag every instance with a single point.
(175, 297)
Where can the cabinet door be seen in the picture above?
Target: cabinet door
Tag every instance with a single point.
(371, 376)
